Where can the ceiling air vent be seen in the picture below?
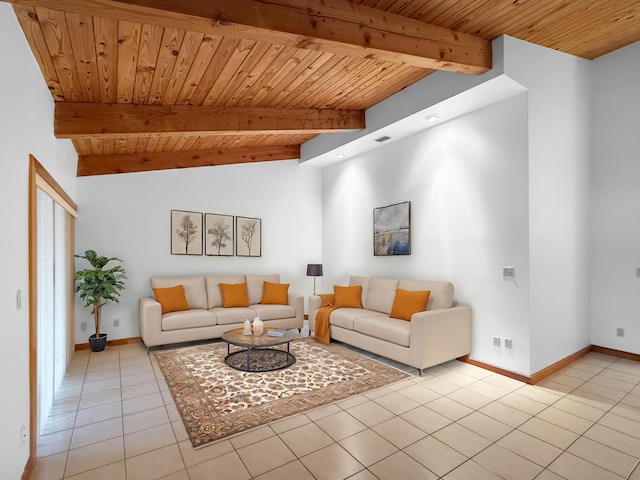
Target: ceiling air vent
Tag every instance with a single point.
(383, 138)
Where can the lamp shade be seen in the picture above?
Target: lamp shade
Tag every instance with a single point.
(314, 270)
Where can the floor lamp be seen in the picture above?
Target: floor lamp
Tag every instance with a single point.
(314, 270)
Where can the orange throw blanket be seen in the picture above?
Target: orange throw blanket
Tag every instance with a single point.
(321, 332)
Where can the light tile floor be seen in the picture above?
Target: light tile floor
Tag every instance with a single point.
(114, 419)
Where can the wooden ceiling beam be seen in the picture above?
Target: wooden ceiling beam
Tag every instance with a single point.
(89, 165)
(338, 26)
(78, 120)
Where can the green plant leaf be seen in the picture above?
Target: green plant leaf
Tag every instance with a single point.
(98, 287)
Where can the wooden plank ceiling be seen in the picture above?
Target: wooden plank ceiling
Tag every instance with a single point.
(157, 84)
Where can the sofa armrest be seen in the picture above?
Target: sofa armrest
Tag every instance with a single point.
(315, 302)
(440, 335)
(150, 321)
(297, 301)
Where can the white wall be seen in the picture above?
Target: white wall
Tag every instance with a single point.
(467, 183)
(128, 216)
(26, 126)
(615, 200)
(478, 214)
(559, 137)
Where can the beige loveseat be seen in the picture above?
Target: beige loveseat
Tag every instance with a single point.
(431, 337)
(206, 317)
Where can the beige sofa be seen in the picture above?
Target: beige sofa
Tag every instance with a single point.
(440, 333)
(206, 317)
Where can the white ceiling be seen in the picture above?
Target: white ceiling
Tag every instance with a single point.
(449, 95)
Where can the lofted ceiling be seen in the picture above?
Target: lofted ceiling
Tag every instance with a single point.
(145, 85)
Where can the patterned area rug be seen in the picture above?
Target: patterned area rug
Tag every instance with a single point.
(215, 401)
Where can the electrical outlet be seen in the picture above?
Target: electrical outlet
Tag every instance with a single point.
(507, 343)
(83, 326)
(116, 322)
(620, 332)
(496, 341)
(508, 272)
(18, 299)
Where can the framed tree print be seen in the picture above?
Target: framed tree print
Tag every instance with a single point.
(391, 229)
(186, 233)
(218, 235)
(248, 237)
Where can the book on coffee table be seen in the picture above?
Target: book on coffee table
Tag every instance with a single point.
(276, 333)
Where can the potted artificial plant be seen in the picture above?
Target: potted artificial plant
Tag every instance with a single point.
(97, 287)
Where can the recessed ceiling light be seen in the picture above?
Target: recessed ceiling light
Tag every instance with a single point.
(383, 138)
(340, 155)
(434, 117)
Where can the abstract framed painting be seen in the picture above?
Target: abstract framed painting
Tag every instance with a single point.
(186, 233)
(218, 235)
(248, 237)
(392, 229)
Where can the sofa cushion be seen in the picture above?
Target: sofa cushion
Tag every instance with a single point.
(385, 328)
(347, 297)
(214, 294)
(194, 288)
(363, 282)
(381, 293)
(408, 302)
(193, 318)
(344, 317)
(234, 295)
(272, 312)
(171, 299)
(227, 316)
(255, 286)
(275, 294)
(441, 292)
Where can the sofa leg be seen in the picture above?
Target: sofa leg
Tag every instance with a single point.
(420, 370)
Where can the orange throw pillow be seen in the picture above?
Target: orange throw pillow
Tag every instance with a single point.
(348, 297)
(275, 293)
(408, 302)
(171, 299)
(234, 295)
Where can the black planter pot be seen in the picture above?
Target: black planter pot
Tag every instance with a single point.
(98, 344)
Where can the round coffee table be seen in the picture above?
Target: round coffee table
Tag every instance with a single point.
(258, 354)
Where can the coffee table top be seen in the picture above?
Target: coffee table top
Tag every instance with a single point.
(236, 337)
